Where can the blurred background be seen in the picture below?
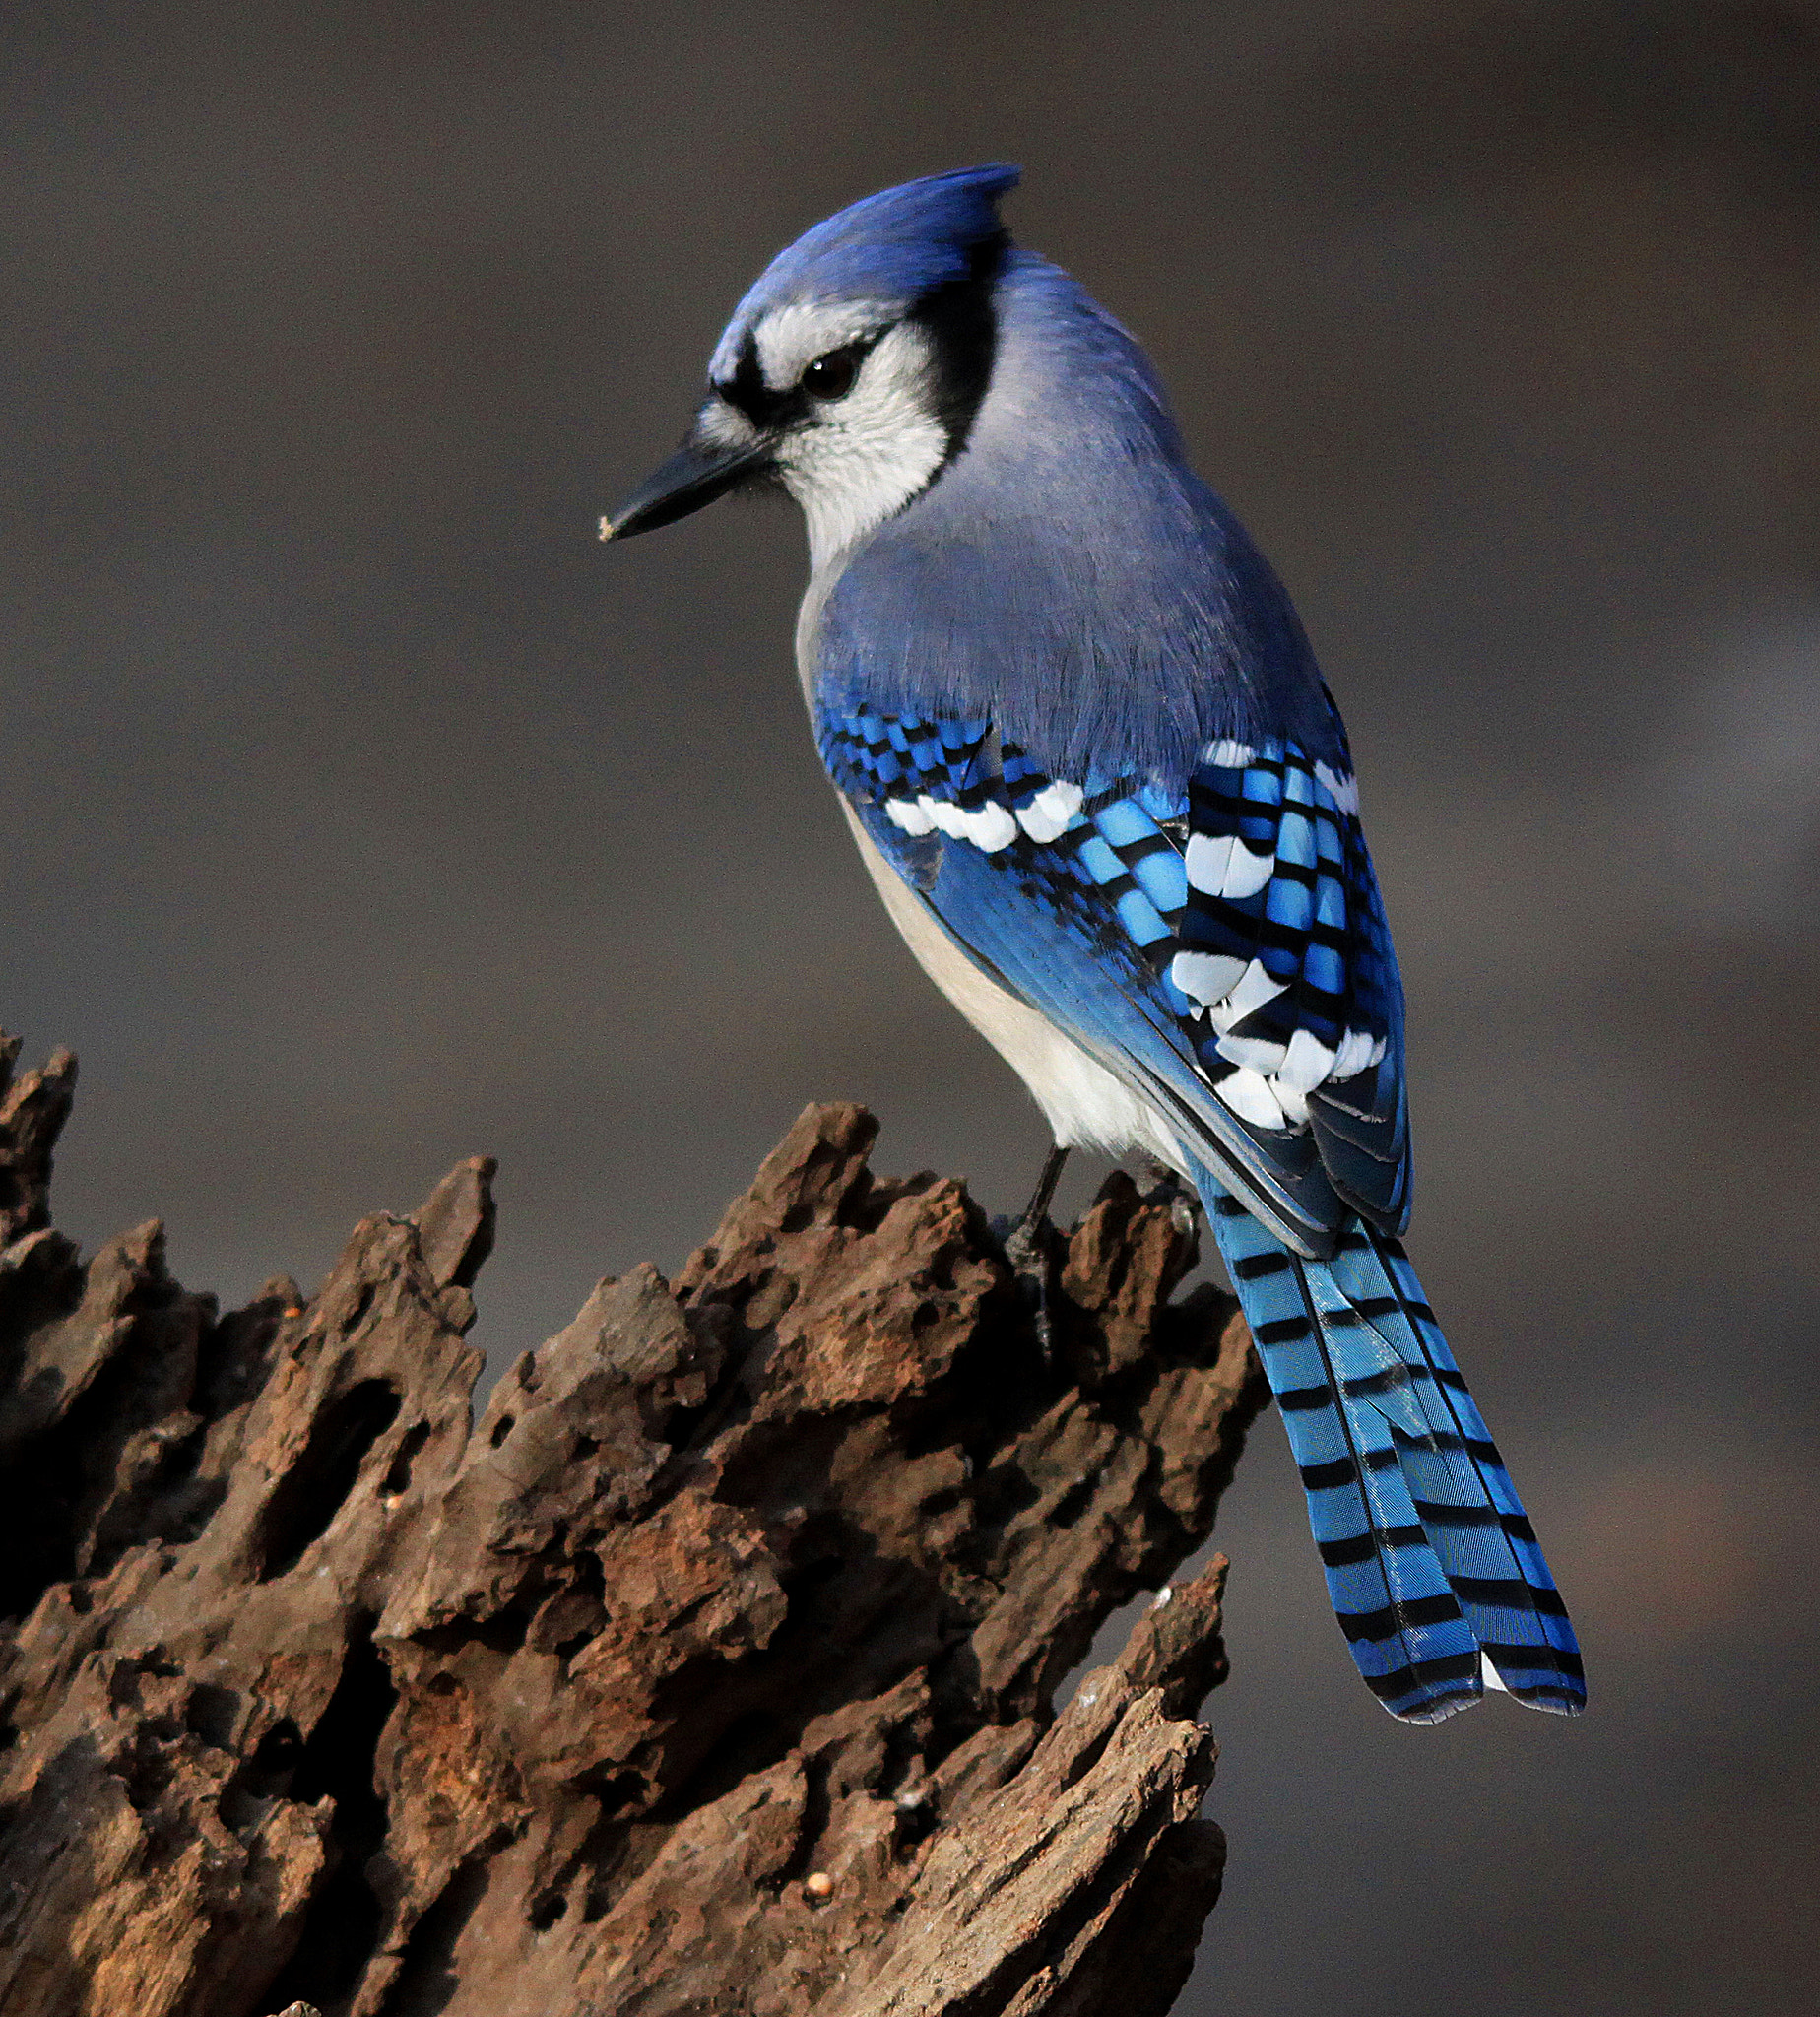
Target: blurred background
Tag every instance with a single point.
(361, 812)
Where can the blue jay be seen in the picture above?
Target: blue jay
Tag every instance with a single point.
(1083, 747)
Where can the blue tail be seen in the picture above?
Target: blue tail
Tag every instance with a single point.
(1431, 1563)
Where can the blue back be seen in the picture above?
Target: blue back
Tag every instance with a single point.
(1117, 612)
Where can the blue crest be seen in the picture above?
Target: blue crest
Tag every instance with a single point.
(893, 247)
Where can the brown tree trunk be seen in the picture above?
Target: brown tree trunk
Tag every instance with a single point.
(710, 1671)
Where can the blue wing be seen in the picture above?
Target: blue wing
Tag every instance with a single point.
(1221, 945)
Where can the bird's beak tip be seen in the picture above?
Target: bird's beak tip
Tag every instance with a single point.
(695, 475)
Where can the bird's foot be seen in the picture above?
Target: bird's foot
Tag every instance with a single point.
(1032, 1247)
(1167, 1188)
(1030, 1251)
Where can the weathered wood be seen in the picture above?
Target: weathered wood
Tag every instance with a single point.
(709, 1670)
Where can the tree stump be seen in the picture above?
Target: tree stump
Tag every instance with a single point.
(710, 1671)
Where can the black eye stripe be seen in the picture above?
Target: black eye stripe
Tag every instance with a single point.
(747, 391)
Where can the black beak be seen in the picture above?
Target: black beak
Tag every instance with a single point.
(695, 475)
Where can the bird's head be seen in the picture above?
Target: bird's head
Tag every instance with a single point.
(852, 371)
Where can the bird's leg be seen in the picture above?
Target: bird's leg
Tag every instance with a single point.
(1030, 1249)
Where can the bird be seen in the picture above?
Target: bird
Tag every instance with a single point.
(1082, 743)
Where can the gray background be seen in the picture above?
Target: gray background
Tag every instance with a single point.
(361, 812)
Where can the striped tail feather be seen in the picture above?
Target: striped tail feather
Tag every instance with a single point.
(1431, 1563)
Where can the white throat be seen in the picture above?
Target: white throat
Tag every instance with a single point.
(866, 456)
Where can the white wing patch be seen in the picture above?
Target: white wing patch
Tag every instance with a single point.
(1253, 989)
(1307, 1063)
(1221, 864)
(1341, 787)
(1206, 977)
(988, 827)
(915, 816)
(1252, 1097)
(1272, 1080)
(1047, 816)
(1359, 1050)
(1272, 1085)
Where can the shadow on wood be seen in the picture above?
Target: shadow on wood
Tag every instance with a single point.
(710, 1670)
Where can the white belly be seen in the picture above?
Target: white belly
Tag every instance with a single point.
(1087, 1107)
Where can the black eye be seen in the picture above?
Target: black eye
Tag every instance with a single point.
(831, 377)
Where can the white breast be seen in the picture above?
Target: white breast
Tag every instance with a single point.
(1085, 1104)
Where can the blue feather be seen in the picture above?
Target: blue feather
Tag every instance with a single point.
(1429, 1558)
(889, 249)
(1109, 610)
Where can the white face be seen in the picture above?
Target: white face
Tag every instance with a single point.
(853, 456)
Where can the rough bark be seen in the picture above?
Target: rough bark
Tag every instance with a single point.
(708, 1670)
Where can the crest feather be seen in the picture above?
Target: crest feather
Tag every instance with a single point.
(893, 247)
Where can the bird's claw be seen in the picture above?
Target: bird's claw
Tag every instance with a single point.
(1167, 1188)
(1030, 1249)
(1031, 1245)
